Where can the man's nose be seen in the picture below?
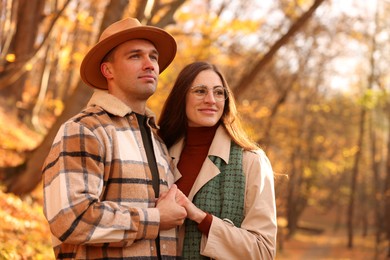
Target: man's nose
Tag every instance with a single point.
(148, 64)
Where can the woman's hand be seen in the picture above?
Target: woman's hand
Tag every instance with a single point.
(193, 212)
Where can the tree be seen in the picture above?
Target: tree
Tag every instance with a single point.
(246, 80)
(28, 175)
(14, 74)
(24, 47)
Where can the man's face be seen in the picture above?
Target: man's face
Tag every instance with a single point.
(133, 71)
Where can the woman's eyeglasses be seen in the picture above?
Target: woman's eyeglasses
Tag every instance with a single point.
(220, 93)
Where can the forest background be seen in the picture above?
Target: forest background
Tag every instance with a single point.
(311, 79)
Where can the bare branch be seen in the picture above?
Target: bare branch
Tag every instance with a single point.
(245, 81)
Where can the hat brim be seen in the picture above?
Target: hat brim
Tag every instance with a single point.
(90, 67)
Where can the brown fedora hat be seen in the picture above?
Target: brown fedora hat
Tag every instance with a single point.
(120, 32)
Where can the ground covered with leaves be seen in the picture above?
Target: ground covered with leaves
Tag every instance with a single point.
(24, 233)
(324, 239)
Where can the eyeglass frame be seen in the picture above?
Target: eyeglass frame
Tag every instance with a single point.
(203, 96)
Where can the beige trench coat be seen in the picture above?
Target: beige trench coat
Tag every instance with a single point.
(256, 238)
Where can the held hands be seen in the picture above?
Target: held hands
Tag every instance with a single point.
(193, 212)
(172, 214)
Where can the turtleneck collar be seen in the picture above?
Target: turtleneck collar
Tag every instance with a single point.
(199, 136)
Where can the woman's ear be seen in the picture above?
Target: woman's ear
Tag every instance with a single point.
(105, 69)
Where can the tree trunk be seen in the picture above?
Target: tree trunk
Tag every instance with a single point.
(25, 181)
(386, 197)
(291, 201)
(363, 112)
(30, 14)
(354, 179)
(376, 187)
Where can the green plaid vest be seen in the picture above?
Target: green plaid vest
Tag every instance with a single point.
(223, 197)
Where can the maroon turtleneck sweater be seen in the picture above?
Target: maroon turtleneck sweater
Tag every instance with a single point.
(197, 145)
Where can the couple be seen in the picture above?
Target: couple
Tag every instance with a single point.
(112, 189)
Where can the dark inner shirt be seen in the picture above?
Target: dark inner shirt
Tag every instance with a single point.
(148, 144)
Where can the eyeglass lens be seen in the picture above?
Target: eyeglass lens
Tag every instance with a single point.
(201, 92)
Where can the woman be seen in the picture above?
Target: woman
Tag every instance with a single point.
(227, 178)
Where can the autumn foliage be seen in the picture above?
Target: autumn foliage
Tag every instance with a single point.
(24, 233)
(311, 78)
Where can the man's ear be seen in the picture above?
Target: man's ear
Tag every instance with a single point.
(105, 69)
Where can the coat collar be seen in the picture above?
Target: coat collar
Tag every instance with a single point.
(115, 106)
(220, 147)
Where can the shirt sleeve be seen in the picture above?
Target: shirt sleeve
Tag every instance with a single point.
(73, 178)
(256, 238)
(205, 224)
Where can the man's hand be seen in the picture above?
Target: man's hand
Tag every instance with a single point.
(171, 213)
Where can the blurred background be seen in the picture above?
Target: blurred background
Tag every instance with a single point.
(312, 83)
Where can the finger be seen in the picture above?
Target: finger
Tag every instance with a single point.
(179, 192)
(163, 195)
(172, 192)
(180, 195)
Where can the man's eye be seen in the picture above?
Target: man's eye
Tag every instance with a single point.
(154, 57)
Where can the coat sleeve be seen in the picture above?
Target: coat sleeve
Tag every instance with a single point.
(256, 238)
(73, 179)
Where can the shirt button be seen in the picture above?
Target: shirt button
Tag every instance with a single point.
(151, 248)
(164, 246)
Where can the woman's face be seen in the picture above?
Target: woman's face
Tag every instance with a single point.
(205, 100)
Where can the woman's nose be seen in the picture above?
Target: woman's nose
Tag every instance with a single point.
(209, 98)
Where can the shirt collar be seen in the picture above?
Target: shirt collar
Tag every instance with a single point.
(115, 106)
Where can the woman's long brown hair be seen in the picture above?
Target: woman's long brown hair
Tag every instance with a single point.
(173, 119)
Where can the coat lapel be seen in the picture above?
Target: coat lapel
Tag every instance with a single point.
(219, 147)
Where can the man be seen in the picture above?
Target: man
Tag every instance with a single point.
(106, 166)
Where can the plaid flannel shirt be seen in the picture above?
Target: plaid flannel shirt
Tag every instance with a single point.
(98, 194)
